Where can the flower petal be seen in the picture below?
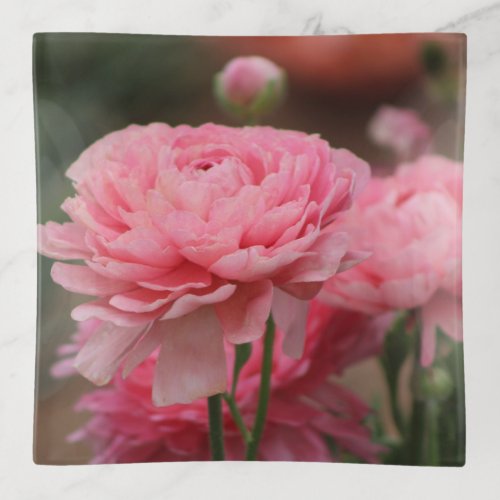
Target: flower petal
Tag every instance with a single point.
(101, 309)
(100, 357)
(243, 315)
(293, 444)
(444, 310)
(63, 241)
(302, 291)
(350, 162)
(290, 315)
(192, 360)
(324, 260)
(140, 300)
(146, 345)
(191, 301)
(409, 292)
(351, 435)
(187, 275)
(81, 279)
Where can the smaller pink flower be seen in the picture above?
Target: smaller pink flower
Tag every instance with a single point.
(400, 130)
(306, 403)
(250, 85)
(411, 222)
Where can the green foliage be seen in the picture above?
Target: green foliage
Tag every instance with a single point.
(434, 58)
(452, 410)
(435, 434)
(397, 346)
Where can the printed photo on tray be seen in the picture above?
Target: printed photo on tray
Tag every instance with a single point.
(249, 248)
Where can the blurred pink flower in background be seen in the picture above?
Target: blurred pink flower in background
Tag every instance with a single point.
(243, 80)
(411, 222)
(307, 403)
(190, 236)
(400, 130)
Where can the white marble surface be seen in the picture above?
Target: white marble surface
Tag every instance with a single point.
(21, 479)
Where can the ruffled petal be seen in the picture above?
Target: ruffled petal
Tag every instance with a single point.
(191, 301)
(243, 316)
(63, 241)
(140, 300)
(350, 162)
(101, 309)
(81, 279)
(250, 264)
(322, 262)
(187, 275)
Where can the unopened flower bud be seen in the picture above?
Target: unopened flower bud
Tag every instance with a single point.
(250, 87)
(434, 383)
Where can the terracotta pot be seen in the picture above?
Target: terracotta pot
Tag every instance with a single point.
(368, 66)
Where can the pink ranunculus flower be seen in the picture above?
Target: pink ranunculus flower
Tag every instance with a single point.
(190, 236)
(411, 222)
(401, 130)
(306, 404)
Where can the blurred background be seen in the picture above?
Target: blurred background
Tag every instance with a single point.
(87, 85)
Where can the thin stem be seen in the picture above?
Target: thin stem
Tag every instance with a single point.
(396, 350)
(216, 427)
(264, 391)
(417, 436)
(237, 417)
(424, 430)
(396, 412)
(242, 354)
(432, 424)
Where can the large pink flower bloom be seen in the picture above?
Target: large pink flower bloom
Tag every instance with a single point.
(189, 236)
(412, 224)
(306, 404)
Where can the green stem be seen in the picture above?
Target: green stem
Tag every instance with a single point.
(417, 434)
(432, 424)
(396, 412)
(395, 352)
(237, 417)
(424, 431)
(216, 427)
(242, 354)
(264, 391)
